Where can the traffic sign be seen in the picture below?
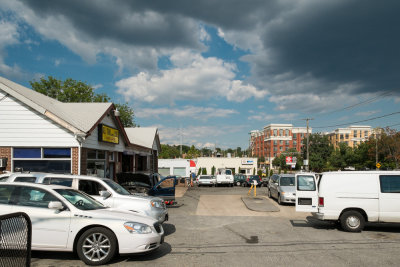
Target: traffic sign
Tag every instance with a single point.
(378, 165)
(288, 160)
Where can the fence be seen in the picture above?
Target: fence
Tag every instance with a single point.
(15, 240)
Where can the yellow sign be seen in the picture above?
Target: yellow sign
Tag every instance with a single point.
(108, 134)
(378, 165)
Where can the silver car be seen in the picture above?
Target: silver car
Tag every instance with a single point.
(282, 188)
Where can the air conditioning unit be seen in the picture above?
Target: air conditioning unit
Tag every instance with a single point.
(3, 162)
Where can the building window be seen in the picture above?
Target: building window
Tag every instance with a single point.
(56, 160)
(275, 132)
(280, 148)
(281, 142)
(355, 134)
(366, 134)
(275, 142)
(294, 136)
(347, 136)
(275, 149)
(287, 133)
(287, 143)
(280, 132)
(294, 143)
(341, 137)
(96, 163)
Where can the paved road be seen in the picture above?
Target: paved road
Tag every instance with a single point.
(212, 227)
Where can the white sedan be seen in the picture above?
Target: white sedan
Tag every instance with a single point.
(64, 219)
(206, 180)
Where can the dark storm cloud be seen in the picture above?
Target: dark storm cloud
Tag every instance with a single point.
(336, 43)
(308, 46)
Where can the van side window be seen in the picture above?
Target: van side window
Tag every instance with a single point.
(305, 183)
(92, 188)
(25, 179)
(390, 183)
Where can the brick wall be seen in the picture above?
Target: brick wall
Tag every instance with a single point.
(75, 160)
(5, 152)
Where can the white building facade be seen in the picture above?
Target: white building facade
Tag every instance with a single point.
(246, 166)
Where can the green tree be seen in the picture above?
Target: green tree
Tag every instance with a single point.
(204, 171)
(213, 170)
(168, 152)
(319, 150)
(199, 172)
(192, 153)
(77, 92)
(271, 172)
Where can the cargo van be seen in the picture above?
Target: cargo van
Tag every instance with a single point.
(351, 198)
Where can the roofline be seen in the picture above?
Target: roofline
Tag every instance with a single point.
(39, 109)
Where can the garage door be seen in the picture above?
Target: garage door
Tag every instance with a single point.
(164, 171)
(180, 171)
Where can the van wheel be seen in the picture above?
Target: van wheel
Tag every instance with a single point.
(269, 193)
(97, 246)
(352, 221)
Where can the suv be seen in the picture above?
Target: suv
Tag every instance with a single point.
(103, 190)
(239, 179)
(282, 188)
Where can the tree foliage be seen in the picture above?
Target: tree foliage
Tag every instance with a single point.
(73, 91)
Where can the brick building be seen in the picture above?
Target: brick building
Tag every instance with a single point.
(276, 139)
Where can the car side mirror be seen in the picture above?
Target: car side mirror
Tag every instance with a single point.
(105, 194)
(55, 205)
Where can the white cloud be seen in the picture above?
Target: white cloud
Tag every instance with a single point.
(199, 113)
(57, 62)
(193, 78)
(367, 113)
(271, 118)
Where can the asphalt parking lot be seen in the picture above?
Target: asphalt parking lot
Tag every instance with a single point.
(213, 227)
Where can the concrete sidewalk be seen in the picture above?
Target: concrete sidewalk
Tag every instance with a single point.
(262, 204)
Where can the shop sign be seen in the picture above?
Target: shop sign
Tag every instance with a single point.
(108, 134)
(247, 162)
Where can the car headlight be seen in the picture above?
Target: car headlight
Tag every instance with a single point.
(282, 193)
(137, 228)
(157, 204)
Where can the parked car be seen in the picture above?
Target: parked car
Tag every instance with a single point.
(351, 198)
(224, 176)
(239, 179)
(250, 180)
(209, 180)
(282, 188)
(104, 190)
(64, 219)
(152, 184)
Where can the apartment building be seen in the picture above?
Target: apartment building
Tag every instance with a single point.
(352, 135)
(276, 139)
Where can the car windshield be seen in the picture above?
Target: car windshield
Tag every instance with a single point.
(80, 200)
(228, 172)
(117, 188)
(205, 177)
(287, 181)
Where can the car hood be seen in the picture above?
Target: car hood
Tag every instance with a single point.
(289, 189)
(140, 197)
(115, 214)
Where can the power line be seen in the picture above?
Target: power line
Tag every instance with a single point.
(370, 119)
(367, 101)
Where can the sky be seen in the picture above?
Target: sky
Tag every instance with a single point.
(208, 72)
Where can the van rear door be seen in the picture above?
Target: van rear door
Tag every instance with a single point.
(306, 192)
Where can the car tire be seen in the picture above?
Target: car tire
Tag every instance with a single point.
(269, 193)
(279, 199)
(97, 237)
(238, 184)
(352, 221)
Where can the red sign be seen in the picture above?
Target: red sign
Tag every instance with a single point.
(288, 160)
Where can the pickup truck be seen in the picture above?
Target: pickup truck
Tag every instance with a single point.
(224, 176)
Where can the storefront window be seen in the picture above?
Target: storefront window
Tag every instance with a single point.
(96, 164)
(56, 160)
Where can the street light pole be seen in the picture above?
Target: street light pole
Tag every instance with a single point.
(307, 146)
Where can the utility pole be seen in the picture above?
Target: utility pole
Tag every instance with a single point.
(307, 146)
(180, 132)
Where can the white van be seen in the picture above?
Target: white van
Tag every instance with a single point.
(352, 198)
(224, 176)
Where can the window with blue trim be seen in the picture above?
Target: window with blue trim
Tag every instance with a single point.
(27, 153)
